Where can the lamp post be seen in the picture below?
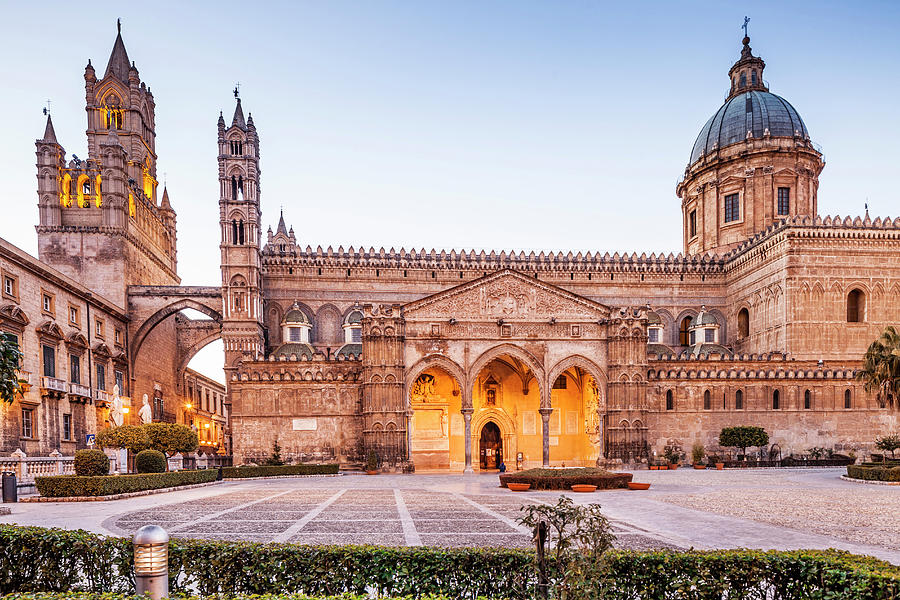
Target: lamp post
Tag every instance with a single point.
(151, 562)
(187, 413)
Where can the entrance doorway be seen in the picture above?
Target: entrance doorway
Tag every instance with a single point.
(491, 446)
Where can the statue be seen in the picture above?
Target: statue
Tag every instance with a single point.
(146, 413)
(116, 414)
(443, 423)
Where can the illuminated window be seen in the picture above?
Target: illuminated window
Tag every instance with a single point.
(65, 193)
(131, 211)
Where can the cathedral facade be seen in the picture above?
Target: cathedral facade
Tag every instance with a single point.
(462, 360)
(453, 360)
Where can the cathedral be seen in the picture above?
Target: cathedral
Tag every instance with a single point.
(463, 360)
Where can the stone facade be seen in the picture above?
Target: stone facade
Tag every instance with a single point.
(468, 359)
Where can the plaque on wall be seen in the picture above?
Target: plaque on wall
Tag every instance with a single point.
(571, 422)
(305, 424)
(528, 423)
(554, 422)
(457, 425)
(554, 441)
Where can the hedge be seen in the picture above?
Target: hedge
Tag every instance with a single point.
(564, 479)
(62, 486)
(874, 473)
(91, 463)
(275, 471)
(52, 560)
(112, 596)
(150, 461)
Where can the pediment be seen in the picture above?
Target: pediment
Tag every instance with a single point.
(13, 313)
(507, 295)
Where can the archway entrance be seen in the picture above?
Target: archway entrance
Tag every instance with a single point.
(436, 428)
(490, 446)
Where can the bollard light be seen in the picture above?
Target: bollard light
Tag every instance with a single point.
(151, 562)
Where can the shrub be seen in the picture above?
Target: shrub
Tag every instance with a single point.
(34, 559)
(888, 443)
(171, 438)
(275, 459)
(63, 486)
(131, 437)
(91, 462)
(874, 473)
(697, 453)
(372, 461)
(564, 479)
(743, 437)
(271, 471)
(150, 461)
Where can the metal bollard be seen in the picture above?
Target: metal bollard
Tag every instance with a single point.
(10, 491)
(151, 562)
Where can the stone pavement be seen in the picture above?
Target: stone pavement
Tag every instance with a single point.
(471, 510)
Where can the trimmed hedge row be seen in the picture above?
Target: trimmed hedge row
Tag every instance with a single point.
(63, 486)
(52, 560)
(876, 473)
(112, 596)
(275, 471)
(564, 479)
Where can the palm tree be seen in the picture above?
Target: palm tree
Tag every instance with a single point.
(881, 366)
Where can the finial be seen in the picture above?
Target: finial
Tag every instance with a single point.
(237, 90)
(744, 26)
(47, 108)
(119, 25)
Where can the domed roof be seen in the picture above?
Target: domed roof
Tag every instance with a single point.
(704, 318)
(294, 348)
(755, 111)
(296, 316)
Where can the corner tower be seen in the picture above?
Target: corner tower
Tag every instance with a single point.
(100, 221)
(752, 165)
(239, 218)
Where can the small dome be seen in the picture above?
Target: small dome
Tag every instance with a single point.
(296, 316)
(355, 317)
(659, 350)
(295, 348)
(754, 111)
(348, 349)
(704, 318)
(653, 318)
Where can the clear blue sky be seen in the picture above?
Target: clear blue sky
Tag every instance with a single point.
(496, 125)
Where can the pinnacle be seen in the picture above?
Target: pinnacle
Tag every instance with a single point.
(119, 64)
(238, 119)
(49, 134)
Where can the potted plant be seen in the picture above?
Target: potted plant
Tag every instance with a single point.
(372, 463)
(672, 457)
(697, 454)
(718, 461)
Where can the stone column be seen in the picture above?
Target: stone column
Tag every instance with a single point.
(545, 435)
(467, 417)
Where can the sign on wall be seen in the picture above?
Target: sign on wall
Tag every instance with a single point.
(305, 424)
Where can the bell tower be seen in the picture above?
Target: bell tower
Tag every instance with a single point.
(239, 219)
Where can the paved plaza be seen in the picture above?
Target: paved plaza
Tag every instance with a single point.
(777, 508)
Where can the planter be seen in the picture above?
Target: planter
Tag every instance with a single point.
(720, 466)
(633, 485)
(663, 467)
(371, 472)
(700, 467)
(584, 487)
(518, 487)
(654, 468)
(673, 466)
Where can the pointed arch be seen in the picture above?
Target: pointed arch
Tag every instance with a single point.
(516, 352)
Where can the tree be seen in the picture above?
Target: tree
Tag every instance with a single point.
(171, 438)
(10, 359)
(881, 365)
(888, 443)
(131, 437)
(743, 437)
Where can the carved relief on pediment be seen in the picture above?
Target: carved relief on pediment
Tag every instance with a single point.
(509, 297)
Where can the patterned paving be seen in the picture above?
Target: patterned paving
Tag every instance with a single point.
(392, 516)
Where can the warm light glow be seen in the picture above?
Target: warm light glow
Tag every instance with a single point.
(131, 212)
(126, 410)
(206, 426)
(188, 406)
(79, 189)
(97, 199)
(151, 559)
(65, 194)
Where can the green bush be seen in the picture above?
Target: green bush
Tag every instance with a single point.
(874, 473)
(34, 559)
(743, 437)
(564, 479)
(150, 461)
(272, 471)
(91, 462)
(65, 486)
(102, 596)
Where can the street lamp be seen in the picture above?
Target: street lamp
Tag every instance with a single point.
(151, 562)
(187, 411)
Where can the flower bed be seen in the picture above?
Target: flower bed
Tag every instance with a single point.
(41, 561)
(277, 471)
(874, 472)
(564, 479)
(64, 486)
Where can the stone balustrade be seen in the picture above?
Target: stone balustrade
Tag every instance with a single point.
(27, 468)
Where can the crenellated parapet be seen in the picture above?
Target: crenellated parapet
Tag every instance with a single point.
(291, 369)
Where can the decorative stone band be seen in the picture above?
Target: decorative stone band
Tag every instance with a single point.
(698, 370)
(343, 369)
(826, 227)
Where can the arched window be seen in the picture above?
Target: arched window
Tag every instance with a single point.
(739, 400)
(856, 306)
(241, 232)
(234, 232)
(670, 400)
(753, 77)
(743, 323)
(848, 399)
(684, 331)
(807, 400)
(353, 328)
(234, 187)
(743, 79)
(707, 400)
(776, 400)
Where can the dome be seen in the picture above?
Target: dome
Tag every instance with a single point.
(296, 316)
(754, 111)
(704, 318)
(653, 318)
(296, 348)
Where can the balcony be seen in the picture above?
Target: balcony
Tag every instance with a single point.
(24, 376)
(101, 396)
(79, 390)
(54, 384)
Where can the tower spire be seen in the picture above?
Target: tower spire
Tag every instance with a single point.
(238, 119)
(49, 133)
(118, 64)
